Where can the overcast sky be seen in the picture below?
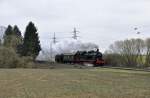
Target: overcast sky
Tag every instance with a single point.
(99, 21)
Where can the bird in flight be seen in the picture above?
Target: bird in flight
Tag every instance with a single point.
(135, 28)
(137, 31)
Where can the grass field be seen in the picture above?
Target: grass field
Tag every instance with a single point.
(74, 83)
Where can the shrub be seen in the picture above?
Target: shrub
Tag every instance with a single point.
(113, 59)
(10, 59)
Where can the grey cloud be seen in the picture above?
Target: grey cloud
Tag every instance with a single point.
(100, 21)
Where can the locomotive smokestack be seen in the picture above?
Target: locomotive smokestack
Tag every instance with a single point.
(97, 50)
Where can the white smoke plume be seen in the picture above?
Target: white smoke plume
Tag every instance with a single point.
(2, 31)
(66, 46)
(69, 46)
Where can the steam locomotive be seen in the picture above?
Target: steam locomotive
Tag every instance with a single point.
(81, 57)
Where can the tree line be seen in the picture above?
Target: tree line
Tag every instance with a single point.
(17, 50)
(129, 52)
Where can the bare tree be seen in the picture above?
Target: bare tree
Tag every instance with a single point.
(130, 52)
(139, 48)
(147, 61)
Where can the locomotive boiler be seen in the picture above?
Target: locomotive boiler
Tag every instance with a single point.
(81, 57)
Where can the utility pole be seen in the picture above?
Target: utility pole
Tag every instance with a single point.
(75, 34)
(51, 51)
(51, 45)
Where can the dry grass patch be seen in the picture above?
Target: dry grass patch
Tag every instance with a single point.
(73, 83)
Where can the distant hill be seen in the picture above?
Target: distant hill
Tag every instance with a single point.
(2, 30)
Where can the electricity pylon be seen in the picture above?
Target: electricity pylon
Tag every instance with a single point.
(75, 32)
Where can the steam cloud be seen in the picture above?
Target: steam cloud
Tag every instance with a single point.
(66, 46)
(2, 30)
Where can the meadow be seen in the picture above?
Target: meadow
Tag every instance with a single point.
(74, 83)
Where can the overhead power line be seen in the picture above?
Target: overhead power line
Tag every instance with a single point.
(74, 36)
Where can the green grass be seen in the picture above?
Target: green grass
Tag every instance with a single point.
(74, 83)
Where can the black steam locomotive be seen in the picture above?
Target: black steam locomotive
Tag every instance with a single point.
(81, 57)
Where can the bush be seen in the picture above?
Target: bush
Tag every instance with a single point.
(26, 62)
(113, 59)
(10, 59)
